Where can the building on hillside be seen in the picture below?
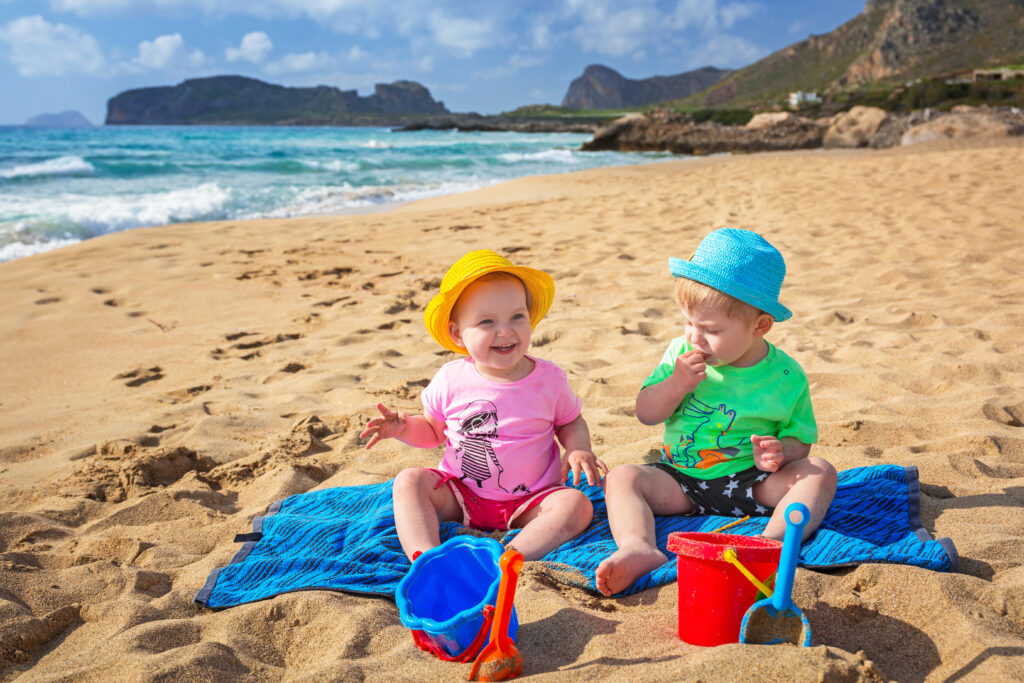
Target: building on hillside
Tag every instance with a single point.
(1002, 73)
(800, 97)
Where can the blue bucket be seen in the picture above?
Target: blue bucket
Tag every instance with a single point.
(445, 592)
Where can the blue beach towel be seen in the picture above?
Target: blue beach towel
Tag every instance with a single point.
(344, 539)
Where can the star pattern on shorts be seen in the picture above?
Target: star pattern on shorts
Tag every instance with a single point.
(732, 485)
(760, 508)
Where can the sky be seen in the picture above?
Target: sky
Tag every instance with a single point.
(484, 56)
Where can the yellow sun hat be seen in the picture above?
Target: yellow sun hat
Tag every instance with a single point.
(467, 270)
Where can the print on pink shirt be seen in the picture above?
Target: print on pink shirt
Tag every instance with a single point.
(478, 424)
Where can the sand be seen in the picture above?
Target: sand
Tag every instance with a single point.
(160, 387)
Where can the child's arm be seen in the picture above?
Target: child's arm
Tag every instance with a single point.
(657, 402)
(771, 453)
(575, 439)
(421, 431)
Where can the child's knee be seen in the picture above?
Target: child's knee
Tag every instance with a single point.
(413, 480)
(580, 512)
(622, 476)
(823, 469)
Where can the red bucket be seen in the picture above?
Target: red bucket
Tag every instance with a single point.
(713, 594)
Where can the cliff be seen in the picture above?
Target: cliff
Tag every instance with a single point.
(236, 100)
(890, 42)
(602, 88)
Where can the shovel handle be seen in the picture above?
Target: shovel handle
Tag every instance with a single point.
(510, 562)
(797, 516)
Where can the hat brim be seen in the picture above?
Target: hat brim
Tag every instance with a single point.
(539, 284)
(683, 268)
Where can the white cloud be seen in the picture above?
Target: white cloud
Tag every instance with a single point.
(425, 64)
(39, 48)
(429, 32)
(540, 36)
(726, 51)
(617, 32)
(85, 7)
(298, 63)
(730, 14)
(254, 48)
(159, 52)
(467, 35)
(356, 54)
(166, 52)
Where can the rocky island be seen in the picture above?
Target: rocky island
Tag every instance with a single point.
(237, 100)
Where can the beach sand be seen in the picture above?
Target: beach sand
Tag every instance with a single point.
(135, 361)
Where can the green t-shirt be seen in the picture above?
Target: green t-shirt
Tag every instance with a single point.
(708, 434)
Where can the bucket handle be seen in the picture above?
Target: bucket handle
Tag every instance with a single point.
(730, 556)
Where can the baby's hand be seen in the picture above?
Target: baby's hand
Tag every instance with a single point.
(767, 453)
(586, 461)
(690, 370)
(389, 425)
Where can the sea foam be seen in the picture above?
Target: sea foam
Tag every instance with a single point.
(66, 165)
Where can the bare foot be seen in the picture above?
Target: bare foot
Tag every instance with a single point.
(625, 566)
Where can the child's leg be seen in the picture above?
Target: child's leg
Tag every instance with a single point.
(420, 506)
(547, 525)
(635, 494)
(811, 481)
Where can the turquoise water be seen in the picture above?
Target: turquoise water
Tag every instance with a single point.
(60, 186)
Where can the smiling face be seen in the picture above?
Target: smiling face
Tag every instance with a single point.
(725, 339)
(491, 320)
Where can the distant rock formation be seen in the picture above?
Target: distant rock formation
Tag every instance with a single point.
(667, 130)
(64, 119)
(602, 88)
(236, 100)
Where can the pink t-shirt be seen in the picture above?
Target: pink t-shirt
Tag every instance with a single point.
(501, 435)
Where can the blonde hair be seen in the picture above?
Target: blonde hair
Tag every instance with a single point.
(693, 296)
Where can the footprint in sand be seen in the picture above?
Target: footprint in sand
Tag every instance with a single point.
(545, 339)
(140, 376)
(250, 349)
(183, 395)
(48, 300)
(391, 325)
(1011, 416)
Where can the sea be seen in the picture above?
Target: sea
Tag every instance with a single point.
(61, 186)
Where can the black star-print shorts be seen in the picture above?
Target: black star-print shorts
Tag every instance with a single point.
(730, 496)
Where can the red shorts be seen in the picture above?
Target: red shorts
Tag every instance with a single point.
(486, 514)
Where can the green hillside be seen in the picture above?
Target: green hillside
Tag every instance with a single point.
(890, 43)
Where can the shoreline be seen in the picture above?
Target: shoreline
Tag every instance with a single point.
(238, 342)
(93, 183)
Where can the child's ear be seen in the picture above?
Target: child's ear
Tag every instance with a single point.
(453, 330)
(763, 324)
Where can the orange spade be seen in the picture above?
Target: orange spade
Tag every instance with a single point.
(500, 659)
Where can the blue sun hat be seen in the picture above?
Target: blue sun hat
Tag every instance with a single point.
(741, 264)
